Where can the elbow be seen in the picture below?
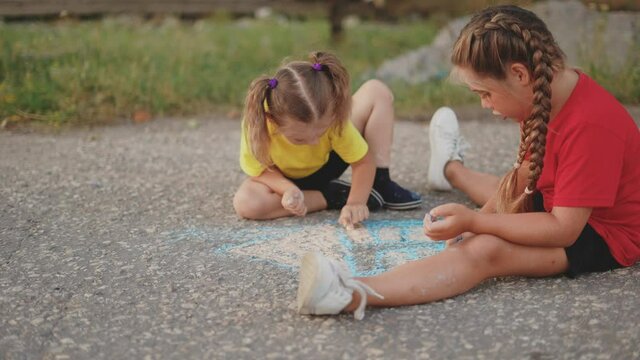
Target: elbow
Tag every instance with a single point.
(566, 243)
(568, 224)
(566, 238)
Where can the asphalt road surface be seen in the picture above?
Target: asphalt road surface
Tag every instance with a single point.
(121, 243)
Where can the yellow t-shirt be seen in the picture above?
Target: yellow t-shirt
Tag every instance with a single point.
(298, 161)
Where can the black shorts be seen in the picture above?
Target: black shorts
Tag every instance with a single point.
(589, 253)
(331, 170)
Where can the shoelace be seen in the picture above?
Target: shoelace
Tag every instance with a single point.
(363, 289)
(460, 145)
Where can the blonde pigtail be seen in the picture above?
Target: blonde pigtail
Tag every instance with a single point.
(340, 82)
(255, 120)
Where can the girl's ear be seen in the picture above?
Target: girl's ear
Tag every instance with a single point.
(520, 73)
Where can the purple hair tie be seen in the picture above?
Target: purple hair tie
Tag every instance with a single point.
(317, 66)
(273, 83)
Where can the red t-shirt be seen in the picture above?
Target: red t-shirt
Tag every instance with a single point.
(592, 160)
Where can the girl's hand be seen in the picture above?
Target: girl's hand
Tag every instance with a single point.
(350, 215)
(293, 200)
(452, 220)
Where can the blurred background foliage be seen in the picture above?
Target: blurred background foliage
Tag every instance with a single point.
(74, 70)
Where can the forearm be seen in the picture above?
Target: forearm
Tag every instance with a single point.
(274, 180)
(531, 229)
(363, 172)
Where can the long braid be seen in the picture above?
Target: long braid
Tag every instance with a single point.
(255, 120)
(535, 127)
(493, 39)
(540, 114)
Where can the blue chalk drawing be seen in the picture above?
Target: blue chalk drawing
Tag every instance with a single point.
(411, 249)
(364, 258)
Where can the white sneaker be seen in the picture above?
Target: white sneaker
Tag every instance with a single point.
(446, 145)
(326, 287)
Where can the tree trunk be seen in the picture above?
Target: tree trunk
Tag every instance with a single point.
(337, 12)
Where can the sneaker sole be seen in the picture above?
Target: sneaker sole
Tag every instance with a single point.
(376, 195)
(403, 206)
(432, 185)
(308, 275)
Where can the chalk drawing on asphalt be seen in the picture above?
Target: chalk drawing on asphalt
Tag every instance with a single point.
(376, 246)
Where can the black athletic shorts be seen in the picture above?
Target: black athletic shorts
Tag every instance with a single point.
(589, 253)
(331, 170)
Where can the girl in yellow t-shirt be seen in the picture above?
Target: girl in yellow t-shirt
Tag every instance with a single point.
(297, 140)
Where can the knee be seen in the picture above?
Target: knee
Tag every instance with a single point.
(378, 91)
(485, 251)
(246, 206)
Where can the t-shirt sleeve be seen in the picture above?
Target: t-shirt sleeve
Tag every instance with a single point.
(248, 163)
(349, 144)
(590, 164)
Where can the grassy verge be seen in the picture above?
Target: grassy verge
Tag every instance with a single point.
(94, 71)
(81, 72)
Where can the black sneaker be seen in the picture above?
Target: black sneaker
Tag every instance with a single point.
(336, 194)
(395, 197)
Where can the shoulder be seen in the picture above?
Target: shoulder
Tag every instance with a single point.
(593, 107)
(343, 129)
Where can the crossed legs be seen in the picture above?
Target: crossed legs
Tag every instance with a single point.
(257, 201)
(372, 114)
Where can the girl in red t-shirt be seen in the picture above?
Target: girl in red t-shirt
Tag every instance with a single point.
(575, 214)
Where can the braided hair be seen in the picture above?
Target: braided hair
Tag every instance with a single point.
(493, 39)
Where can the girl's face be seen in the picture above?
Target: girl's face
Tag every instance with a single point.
(300, 133)
(508, 98)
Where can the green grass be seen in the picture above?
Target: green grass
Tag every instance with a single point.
(94, 71)
(97, 71)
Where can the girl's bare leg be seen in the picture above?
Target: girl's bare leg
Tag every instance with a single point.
(372, 114)
(458, 269)
(477, 185)
(256, 201)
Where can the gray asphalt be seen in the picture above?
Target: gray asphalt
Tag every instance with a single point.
(120, 243)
